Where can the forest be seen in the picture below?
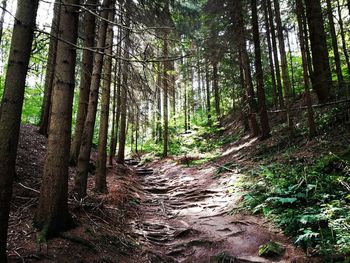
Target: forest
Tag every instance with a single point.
(174, 131)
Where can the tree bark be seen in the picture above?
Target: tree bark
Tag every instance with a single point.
(264, 120)
(216, 90)
(275, 54)
(334, 42)
(284, 65)
(80, 182)
(101, 169)
(11, 109)
(50, 71)
(165, 95)
(207, 79)
(271, 60)
(52, 215)
(311, 120)
(2, 18)
(85, 82)
(322, 78)
(343, 38)
(124, 89)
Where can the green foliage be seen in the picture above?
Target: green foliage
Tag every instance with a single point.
(310, 203)
(271, 249)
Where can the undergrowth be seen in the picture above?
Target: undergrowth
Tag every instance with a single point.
(309, 202)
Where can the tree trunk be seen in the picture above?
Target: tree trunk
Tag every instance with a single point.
(343, 38)
(2, 18)
(264, 120)
(165, 95)
(159, 104)
(207, 79)
(272, 63)
(85, 82)
(284, 65)
(101, 169)
(52, 214)
(244, 63)
(334, 42)
(50, 71)
(80, 183)
(275, 54)
(216, 90)
(124, 87)
(322, 78)
(300, 11)
(11, 109)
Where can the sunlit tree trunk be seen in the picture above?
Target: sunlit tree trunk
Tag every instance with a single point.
(165, 95)
(52, 214)
(89, 25)
(11, 109)
(207, 79)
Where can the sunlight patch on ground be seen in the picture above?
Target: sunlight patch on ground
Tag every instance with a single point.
(240, 147)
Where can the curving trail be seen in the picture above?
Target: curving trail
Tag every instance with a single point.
(184, 218)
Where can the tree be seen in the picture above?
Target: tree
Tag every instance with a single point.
(216, 88)
(10, 116)
(124, 88)
(334, 42)
(80, 182)
(50, 72)
(284, 65)
(2, 18)
(100, 177)
(85, 81)
(301, 20)
(322, 79)
(264, 120)
(52, 214)
(165, 92)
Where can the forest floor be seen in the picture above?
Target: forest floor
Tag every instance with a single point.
(166, 211)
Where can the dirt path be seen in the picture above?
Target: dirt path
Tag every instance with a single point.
(185, 219)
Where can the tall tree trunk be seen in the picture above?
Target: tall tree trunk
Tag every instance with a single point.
(80, 182)
(101, 169)
(244, 63)
(291, 66)
(52, 214)
(271, 61)
(89, 25)
(264, 120)
(159, 104)
(300, 11)
(216, 90)
(117, 98)
(334, 42)
(322, 78)
(2, 18)
(11, 109)
(50, 71)
(124, 89)
(165, 95)
(343, 38)
(207, 79)
(284, 65)
(275, 54)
